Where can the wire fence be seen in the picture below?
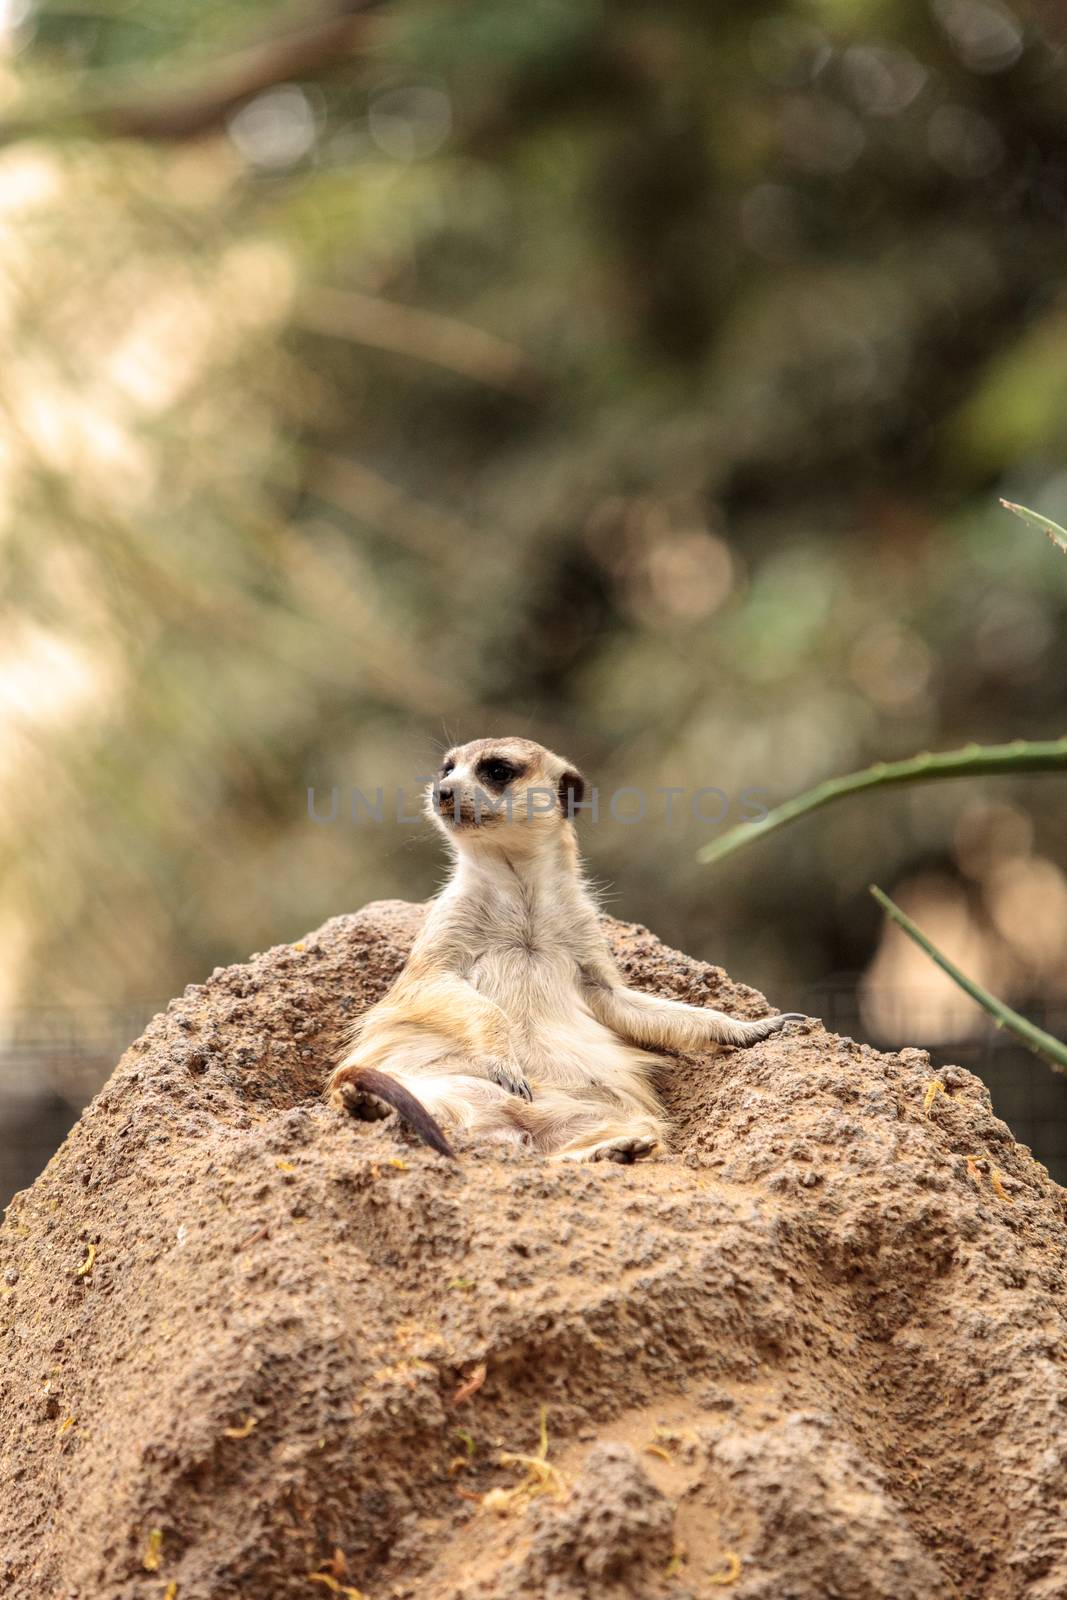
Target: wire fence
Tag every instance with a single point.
(53, 1059)
(1026, 1091)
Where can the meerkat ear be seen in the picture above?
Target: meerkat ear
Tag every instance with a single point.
(571, 791)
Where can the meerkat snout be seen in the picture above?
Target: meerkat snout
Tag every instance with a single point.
(493, 787)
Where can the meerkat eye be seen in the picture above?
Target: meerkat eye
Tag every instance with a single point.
(447, 767)
(499, 771)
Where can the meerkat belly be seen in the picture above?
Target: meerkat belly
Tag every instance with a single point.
(555, 1037)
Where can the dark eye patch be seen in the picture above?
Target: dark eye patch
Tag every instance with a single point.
(498, 774)
(447, 767)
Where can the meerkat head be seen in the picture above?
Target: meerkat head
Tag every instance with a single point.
(497, 791)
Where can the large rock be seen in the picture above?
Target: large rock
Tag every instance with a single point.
(817, 1353)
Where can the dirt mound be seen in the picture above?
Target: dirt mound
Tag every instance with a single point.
(253, 1349)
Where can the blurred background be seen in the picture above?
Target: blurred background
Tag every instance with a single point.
(637, 377)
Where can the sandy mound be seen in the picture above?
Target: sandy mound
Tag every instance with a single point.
(254, 1350)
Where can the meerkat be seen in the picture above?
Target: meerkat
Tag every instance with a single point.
(510, 1018)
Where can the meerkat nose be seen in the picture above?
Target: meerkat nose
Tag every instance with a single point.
(444, 794)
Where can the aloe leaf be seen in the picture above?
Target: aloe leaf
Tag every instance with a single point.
(1057, 534)
(1035, 1038)
(973, 761)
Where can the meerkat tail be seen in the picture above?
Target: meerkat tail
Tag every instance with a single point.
(404, 1103)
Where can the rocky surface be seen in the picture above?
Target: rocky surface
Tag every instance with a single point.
(254, 1349)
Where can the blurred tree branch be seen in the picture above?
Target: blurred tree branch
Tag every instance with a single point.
(423, 529)
(423, 335)
(202, 103)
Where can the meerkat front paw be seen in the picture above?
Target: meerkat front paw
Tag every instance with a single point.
(514, 1083)
(766, 1027)
(625, 1151)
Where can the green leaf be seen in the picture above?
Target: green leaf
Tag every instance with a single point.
(1035, 1039)
(1057, 534)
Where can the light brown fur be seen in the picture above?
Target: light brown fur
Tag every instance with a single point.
(510, 1018)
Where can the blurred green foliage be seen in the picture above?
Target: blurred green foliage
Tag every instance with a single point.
(637, 377)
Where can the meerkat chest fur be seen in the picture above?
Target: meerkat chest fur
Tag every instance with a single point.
(528, 927)
(523, 952)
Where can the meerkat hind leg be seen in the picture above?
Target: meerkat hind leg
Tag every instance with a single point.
(370, 1094)
(346, 1093)
(621, 1142)
(625, 1150)
(360, 1103)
